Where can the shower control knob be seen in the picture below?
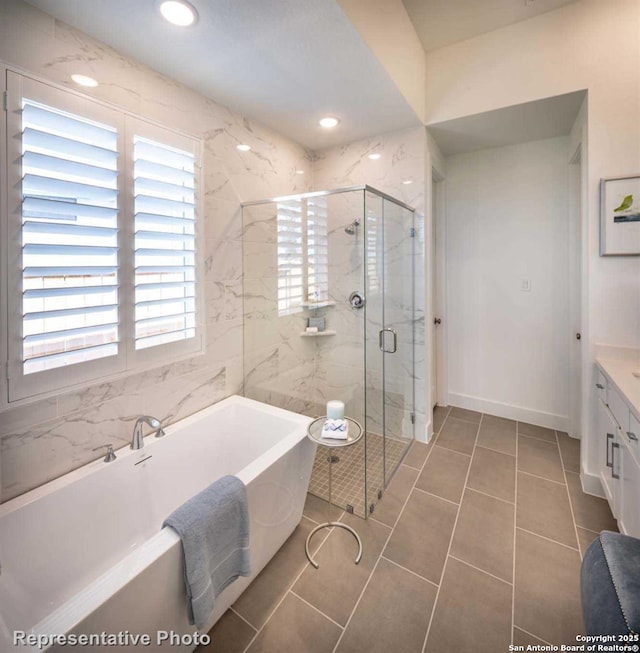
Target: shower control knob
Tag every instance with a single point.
(356, 299)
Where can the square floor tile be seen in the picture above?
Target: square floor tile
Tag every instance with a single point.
(393, 614)
(334, 588)
(464, 413)
(439, 415)
(547, 589)
(493, 552)
(296, 627)
(539, 432)
(592, 513)
(231, 634)
(444, 474)
(257, 602)
(543, 508)
(498, 433)
(394, 497)
(473, 612)
(317, 510)
(420, 540)
(493, 473)
(520, 638)
(585, 537)
(570, 451)
(540, 458)
(458, 434)
(417, 454)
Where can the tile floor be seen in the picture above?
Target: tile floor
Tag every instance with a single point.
(349, 472)
(476, 544)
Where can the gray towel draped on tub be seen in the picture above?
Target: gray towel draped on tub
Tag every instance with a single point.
(214, 528)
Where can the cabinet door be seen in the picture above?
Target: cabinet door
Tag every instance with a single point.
(608, 436)
(629, 518)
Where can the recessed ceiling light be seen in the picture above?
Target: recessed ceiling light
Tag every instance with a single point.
(406, 182)
(243, 148)
(179, 12)
(375, 156)
(83, 80)
(299, 172)
(329, 122)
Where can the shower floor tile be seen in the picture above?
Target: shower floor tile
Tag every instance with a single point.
(348, 481)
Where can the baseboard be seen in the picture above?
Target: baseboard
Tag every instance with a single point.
(591, 485)
(423, 428)
(509, 411)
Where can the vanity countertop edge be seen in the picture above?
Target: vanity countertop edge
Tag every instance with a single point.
(620, 374)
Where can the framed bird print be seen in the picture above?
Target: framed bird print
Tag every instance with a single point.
(620, 216)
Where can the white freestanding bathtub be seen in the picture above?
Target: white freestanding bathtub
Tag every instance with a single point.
(86, 553)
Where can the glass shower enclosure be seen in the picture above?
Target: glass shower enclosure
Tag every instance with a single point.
(341, 261)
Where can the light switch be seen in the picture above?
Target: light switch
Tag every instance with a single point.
(525, 285)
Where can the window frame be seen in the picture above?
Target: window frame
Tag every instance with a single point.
(16, 387)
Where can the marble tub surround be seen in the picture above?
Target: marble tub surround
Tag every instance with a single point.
(45, 438)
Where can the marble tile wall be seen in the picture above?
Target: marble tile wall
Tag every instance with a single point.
(48, 437)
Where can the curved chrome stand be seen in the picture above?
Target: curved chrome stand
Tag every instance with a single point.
(329, 523)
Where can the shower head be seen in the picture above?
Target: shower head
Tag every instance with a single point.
(351, 228)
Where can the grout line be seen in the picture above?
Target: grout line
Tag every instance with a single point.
(295, 580)
(482, 571)
(437, 496)
(504, 453)
(243, 619)
(453, 532)
(566, 481)
(548, 539)
(533, 437)
(462, 453)
(515, 517)
(543, 478)
(316, 609)
(486, 494)
(544, 641)
(426, 580)
(400, 513)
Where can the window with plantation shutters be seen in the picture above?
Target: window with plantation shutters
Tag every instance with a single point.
(303, 272)
(165, 256)
(69, 238)
(101, 257)
(291, 272)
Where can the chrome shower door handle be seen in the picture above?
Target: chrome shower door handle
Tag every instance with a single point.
(381, 340)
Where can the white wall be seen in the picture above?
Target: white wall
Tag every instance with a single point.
(45, 438)
(506, 221)
(591, 44)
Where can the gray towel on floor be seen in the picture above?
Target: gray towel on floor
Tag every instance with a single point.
(214, 528)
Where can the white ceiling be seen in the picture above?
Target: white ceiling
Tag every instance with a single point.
(444, 22)
(519, 123)
(285, 63)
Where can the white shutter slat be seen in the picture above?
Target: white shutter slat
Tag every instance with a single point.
(69, 238)
(165, 244)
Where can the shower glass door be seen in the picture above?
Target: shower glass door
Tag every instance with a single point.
(389, 339)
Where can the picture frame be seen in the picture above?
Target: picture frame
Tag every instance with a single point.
(620, 216)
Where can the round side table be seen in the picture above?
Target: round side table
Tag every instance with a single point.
(314, 433)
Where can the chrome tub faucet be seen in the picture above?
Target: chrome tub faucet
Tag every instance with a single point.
(137, 442)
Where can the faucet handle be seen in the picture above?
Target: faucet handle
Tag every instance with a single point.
(110, 455)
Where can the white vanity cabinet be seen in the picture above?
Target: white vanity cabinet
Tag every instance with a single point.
(617, 432)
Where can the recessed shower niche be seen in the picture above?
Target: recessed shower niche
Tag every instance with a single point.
(341, 262)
